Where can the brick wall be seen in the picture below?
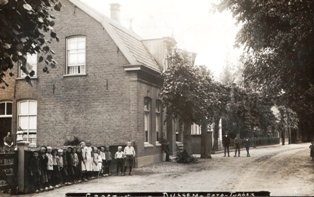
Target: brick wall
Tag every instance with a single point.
(104, 106)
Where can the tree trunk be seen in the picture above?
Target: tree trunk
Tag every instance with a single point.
(216, 131)
(187, 140)
(205, 146)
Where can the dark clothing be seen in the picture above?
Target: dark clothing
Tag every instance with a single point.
(226, 151)
(246, 144)
(225, 141)
(120, 165)
(9, 141)
(35, 172)
(237, 146)
(43, 166)
(226, 144)
(128, 163)
(108, 162)
(312, 151)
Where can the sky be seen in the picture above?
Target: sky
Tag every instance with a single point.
(193, 24)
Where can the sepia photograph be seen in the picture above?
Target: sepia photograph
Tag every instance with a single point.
(169, 98)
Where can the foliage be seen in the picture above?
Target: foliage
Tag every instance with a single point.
(184, 157)
(24, 26)
(72, 141)
(279, 40)
(248, 110)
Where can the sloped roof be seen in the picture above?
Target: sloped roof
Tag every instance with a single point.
(129, 43)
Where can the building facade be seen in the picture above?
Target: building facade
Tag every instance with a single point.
(104, 89)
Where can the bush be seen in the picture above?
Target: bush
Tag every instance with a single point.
(184, 157)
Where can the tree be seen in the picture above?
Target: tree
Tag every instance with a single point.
(278, 36)
(24, 29)
(180, 93)
(190, 94)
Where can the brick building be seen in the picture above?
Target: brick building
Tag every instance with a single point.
(104, 89)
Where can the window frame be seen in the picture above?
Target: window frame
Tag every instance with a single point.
(158, 119)
(6, 115)
(27, 132)
(147, 113)
(67, 56)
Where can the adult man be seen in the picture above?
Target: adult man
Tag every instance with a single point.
(226, 144)
(237, 145)
(129, 152)
(8, 142)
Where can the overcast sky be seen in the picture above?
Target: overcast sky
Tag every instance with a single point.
(192, 23)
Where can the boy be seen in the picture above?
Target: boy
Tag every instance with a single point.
(129, 152)
(247, 146)
(119, 156)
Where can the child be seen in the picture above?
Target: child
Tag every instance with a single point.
(95, 161)
(43, 166)
(35, 171)
(108, 161)
(56, 173)
(49, 167)
(103, 160)
(312, 150)
(79, 165)
(119, 156)
(62, 171)
(75, 162)
(69, 166)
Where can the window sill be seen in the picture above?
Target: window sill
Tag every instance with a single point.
(148, 145)
(157, 143)
(75, 75)
(23, 78)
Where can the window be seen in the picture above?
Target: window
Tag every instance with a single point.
(76, 55)
(31, 65)
(5, 109)
(27, 121)
(195, 129)
(158, 119)
(147, 121)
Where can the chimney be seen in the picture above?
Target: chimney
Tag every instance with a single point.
(115, 12)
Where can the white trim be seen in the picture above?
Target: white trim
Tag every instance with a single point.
(148, 145)
(132, 69)
(157, 143)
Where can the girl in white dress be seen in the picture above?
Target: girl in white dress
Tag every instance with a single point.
(89, 160)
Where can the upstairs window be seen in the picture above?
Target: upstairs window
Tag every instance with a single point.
(31, 65)
(76, 55)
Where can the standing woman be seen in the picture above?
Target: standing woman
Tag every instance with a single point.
(129, 152)
(84, 160)
(89, 159)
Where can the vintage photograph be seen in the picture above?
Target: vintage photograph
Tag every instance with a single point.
(156, 98)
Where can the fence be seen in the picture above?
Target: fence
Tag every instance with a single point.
(8, 171)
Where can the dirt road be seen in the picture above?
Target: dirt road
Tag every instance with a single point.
(282, 170)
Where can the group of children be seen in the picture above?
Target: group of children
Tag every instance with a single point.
(51, 168)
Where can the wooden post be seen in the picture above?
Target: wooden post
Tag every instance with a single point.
(22, 146)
